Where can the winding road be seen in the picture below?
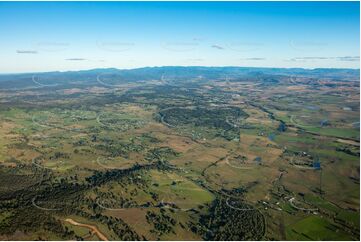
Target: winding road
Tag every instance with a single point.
(93, 228)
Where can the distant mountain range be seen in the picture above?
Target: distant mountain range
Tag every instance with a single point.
(168, 72)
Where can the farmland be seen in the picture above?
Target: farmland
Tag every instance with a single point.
(180, 154)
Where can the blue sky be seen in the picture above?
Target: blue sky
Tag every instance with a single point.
(38, 36)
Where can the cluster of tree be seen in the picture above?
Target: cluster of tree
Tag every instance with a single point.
(160, 154)
(67, 194)
(117, 148)
(100, 177)
(348, 151)
(235, 192)
(80, 142)
(203, 116)
(58, 155)
(229, 134)
(67, 198)
(239, 159)
(16, 180)
(30, 219)
(115, 224)
(150, 138)
(163, 95)
(225, 223)
(162, 223)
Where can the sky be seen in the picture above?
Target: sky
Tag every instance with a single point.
(60, 36)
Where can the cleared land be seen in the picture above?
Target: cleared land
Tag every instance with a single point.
(252, 157)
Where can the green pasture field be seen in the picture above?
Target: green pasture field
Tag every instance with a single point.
(315, 228)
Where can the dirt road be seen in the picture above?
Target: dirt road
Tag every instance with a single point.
(91, 227)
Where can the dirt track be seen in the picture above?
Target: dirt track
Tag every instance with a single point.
(93, 228)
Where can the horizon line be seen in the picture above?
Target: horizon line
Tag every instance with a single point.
(142, 67)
